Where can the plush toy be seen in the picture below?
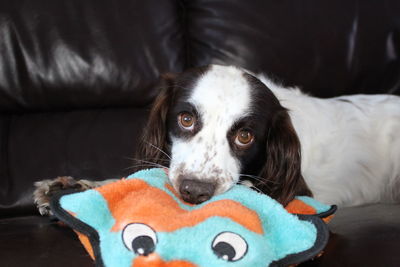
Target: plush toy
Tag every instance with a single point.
(140, 221)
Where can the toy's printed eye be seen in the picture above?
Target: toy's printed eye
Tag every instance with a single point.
(186, 121)
(139, 238)
(229, 246)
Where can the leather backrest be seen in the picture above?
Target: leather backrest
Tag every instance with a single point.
(328, 48)
(57, 55)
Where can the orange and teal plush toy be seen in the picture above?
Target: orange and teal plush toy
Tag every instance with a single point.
(140, 221)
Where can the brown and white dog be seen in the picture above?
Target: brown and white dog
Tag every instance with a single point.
(216, 126)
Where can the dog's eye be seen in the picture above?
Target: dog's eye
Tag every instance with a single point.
(186, 121)
(139, 238)
(229, 246)
(244, 138)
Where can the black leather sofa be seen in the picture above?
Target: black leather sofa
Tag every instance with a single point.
(77, 78)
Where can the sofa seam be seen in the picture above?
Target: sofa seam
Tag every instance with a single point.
(184, 21)
(4, 152)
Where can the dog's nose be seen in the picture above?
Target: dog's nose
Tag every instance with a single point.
(196, 192)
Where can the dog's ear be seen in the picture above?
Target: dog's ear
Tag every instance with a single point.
(154, 146)
(282, 170)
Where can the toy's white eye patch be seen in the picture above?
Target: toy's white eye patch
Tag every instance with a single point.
(229, 246)
(139, 238)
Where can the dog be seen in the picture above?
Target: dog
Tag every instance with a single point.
(216, 126)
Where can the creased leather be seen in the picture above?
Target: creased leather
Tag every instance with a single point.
(58, 55)
(327, 48)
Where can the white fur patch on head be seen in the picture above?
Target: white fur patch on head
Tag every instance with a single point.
(221, 96)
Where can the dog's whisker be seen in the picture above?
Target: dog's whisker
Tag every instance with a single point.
(149, 163)
(152, 163)
(159, 149)
(251, 176)
(145, 166)
(155, 159)
(259, 179)
(252, 186)
(142, 165)
(139, 165)
(256, 186)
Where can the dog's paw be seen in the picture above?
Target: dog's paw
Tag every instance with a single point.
(45, 189)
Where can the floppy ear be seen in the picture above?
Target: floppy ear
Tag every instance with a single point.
(282, 170)
(154, 145)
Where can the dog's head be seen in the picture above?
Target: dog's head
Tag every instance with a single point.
(220, 124)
